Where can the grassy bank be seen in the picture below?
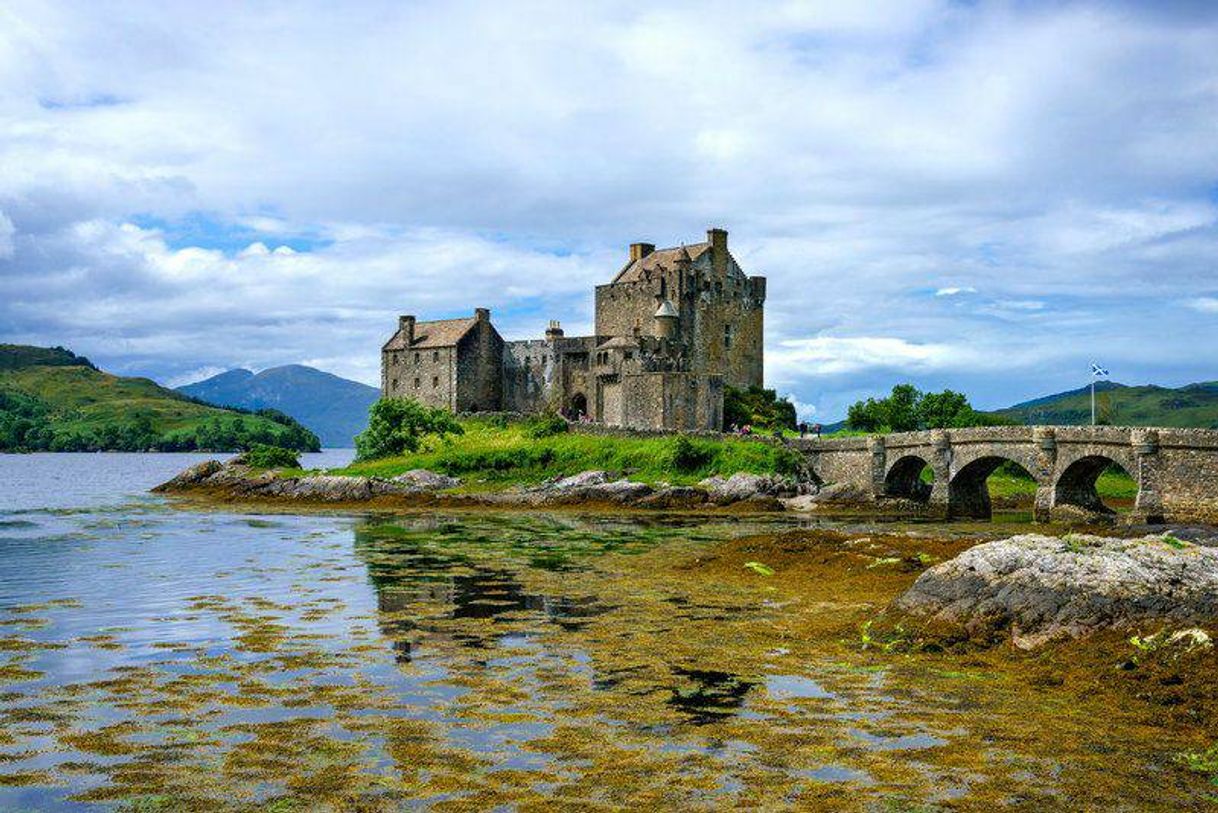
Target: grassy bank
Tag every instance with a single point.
(495, 454)
(1113, 484)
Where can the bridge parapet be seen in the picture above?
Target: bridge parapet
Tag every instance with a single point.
(1176, 469)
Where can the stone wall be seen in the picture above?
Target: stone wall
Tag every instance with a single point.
(530, 371)
(428, 376)
(479, 368)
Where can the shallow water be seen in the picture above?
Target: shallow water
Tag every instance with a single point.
(153, 658)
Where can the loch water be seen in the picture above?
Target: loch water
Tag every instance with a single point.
(156, 656)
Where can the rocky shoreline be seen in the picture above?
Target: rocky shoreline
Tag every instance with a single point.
(237, 482)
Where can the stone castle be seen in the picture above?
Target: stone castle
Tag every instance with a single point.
(673, 328)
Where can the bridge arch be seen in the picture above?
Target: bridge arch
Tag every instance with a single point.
(968, 494)
(1076, 483)
(904, 478)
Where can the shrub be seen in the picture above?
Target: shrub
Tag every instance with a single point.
(685, 455)
(398, 425)
(545, 425)
(757, 407)
(788, 461)
(265, 456)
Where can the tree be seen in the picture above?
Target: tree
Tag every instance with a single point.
(397, 425)
(907, 409)
(757, 407)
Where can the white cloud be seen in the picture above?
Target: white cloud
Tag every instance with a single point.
(828, 355)
(6, 237)
(1205, 304)
(349, 163)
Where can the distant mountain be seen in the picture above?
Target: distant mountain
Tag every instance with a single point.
(53, 400)
(1194, 405)
(334, 408)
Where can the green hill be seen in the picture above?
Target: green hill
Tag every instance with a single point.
(53, 400)
(1194, 405)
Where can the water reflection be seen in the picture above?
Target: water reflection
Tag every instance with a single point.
(166, 660)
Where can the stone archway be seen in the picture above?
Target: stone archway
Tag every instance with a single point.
(578, 406)
(1076, 486)
(904, 479)
(968, 492)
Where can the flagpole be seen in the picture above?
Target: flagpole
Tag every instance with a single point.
(1093, 400)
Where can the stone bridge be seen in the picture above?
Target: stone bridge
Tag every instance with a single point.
(1176, 470)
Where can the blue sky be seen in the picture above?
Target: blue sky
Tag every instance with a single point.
(983, 196)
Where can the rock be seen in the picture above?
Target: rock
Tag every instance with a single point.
(759, 502)
(743, 486)
(804, 502)
(192, 476)
(618, 491)
(424, 480)
(581, 480)
(325, 488)
(851, 493)
(678, 498)
(1042, 588)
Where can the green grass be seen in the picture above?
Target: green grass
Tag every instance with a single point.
(1010, 482)
(494, 456)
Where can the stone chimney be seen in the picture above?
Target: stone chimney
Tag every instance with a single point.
(554, 331)
(406, 328)
(482, 314)
(718, 243)
(640, 250)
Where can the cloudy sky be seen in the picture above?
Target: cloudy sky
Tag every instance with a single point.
(985, 196)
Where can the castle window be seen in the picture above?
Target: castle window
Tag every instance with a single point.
(629, 355)
(435, 356)
(416, 383)
(526, 361)
(727, 337)
(435, 381)
(416, 358)
(394, 385)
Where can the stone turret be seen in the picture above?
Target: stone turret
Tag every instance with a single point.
(666, 320)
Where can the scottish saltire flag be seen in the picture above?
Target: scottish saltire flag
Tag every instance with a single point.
(1097, 370)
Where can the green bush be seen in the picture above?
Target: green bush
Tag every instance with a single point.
(264, 456)
(686, 455)
(545, 426)
(757, 407)
(398, 425)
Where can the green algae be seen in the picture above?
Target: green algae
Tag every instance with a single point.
(637, 674)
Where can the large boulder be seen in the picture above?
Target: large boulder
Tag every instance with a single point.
(1041, 588)
(743, 486)
(576, 481)
(588, 486)
(424, 480)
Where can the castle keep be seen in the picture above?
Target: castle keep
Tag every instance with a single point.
(673, 328)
